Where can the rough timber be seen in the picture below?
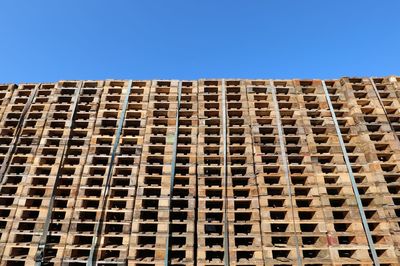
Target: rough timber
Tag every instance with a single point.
(200, 172)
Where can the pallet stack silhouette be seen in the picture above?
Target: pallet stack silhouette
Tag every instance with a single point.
(200, 172)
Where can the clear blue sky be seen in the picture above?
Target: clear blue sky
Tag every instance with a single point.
(188, 39)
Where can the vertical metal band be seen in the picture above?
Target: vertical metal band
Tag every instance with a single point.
(285, 167)
(352, 179)
(91, 257)
(224, 132)
(43, 239)
(172, 182)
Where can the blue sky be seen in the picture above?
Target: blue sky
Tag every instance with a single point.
(46, 40)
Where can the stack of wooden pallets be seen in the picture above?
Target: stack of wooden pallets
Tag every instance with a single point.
(200, 172)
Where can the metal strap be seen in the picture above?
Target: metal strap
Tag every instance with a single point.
(172, 182)
(40, 253)
(224, 130)
(383, 107)
(16, 136)
(352, 179)
(286, 168)
(102, 206)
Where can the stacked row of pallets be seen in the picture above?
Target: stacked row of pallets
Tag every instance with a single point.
(208, 172)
